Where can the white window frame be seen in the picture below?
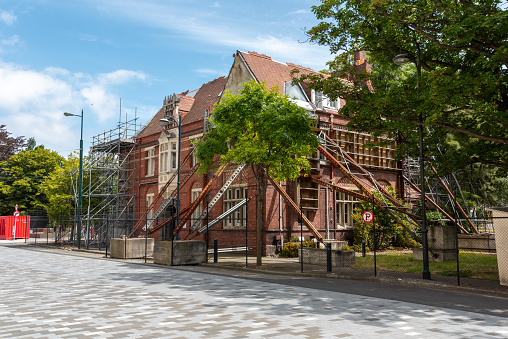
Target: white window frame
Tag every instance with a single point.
(173, 151)
(344, 209)
(163, 157)
(150, 161)
(195, 192)
(233, 196)
(322, 101)
(149, 200)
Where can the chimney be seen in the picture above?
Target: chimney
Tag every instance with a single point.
(361, 63)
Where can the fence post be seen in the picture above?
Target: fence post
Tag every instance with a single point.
(374, 235)
(363, 248)
(215, 251)
(107, 232)
(329, 257)
(301, 232)
(146, 234)
(246, 228)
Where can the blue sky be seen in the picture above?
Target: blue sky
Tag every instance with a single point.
(64, 56)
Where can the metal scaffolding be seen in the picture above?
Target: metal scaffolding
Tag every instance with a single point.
(446, 192)
(108, 189)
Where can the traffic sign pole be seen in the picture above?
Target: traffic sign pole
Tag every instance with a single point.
(16, 215)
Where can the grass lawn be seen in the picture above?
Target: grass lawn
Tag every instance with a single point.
(471, 264)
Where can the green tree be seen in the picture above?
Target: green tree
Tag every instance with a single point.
(31, 144)
(59, 188)
(22, 176)
(264, 130)
(388, 231)
(464, 84)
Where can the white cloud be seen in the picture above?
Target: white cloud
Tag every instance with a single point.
(32, 102)
(120, 76)
(300, 11)
(88, 37)
(208, 72)
(7, 17)
(216, 30)
(12, 41)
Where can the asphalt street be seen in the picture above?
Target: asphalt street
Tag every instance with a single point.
(51, 293)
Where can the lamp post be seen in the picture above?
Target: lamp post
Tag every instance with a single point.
(402, 59)
(165, 122)
(80, 180)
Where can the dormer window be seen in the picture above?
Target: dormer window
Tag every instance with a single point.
(294, 91)
(321, 101)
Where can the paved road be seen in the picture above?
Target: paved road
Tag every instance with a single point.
(47, 294)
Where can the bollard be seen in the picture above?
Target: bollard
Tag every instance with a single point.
(329, 257)
(215, 251)
(363, 247)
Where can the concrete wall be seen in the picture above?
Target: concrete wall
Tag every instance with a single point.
(442, 244)
(132, 248)
(501, 231)
(185, 252)
(317, 256)
(477, 242)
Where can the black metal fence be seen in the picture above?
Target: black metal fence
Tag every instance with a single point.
(375, 251)
(481, 261)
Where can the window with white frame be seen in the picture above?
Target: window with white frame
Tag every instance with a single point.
(194, 196)
(294, 91)
(149, 201)
(163, 157)
(344, 208)
(321, 100)
(232, 197)
(150, 162)
(194, 159)
(174, 156)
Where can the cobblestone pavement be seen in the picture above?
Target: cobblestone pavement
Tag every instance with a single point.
(45, 294)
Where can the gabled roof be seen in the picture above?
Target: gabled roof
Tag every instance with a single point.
(205, 98)
(153, 125)
(274, 73)
(190, 108)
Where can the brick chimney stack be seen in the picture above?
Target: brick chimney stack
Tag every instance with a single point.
(361, 61)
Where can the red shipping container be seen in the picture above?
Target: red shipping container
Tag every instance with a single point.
(22, 227)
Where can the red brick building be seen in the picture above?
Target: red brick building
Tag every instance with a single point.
(329, 211)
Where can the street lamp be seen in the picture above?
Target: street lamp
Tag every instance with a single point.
(80, 187)
(165, 122)
(402, 59)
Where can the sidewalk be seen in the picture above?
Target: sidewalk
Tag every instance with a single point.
(291, 267)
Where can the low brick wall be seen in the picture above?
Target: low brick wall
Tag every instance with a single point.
(317, 256)
(132, 248)
(185, 252)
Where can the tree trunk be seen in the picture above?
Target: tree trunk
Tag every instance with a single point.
(259, 174)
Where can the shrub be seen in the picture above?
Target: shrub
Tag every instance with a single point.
(310, 244)
(289, 250)
(294, 239)
(347, 248)
(388, 232)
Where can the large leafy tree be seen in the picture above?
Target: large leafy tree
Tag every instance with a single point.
(463, 92)
(9, 145)
(264, 130)
(59, 188)
(22, 176)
